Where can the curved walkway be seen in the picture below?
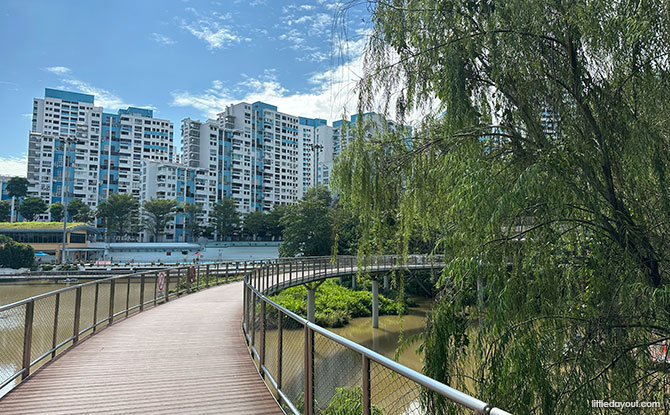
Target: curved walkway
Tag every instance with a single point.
(186, 356)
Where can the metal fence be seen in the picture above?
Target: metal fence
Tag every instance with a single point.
(35, 330)
(312, 370)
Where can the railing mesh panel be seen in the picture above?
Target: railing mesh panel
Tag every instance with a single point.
(336, 370)
(293, 361)
(66, 318)
(43, 325)
(393, 393)
(103, 301)
(87, 307)
(12, 322)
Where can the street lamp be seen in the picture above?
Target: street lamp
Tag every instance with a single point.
(67, 141)
(316, 148)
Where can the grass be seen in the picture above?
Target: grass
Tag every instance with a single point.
(38, 225)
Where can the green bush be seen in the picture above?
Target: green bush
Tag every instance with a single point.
(14, 254)
(348, 401)
(335, 305)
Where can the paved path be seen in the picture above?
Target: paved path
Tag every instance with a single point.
(184, 357)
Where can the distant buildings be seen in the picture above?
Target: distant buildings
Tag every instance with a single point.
(104, 151)
(252, 153)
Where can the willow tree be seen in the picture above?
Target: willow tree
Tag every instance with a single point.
(543, 178)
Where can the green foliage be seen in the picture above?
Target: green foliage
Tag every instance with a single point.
(17, 187)
(192, 217)
(56, 209)
(5, 210)
(348, 401)
(119, 216)
(308, 226)
(225, 217)
(542, 179)
(32, 207)
(14, 254)
(335, 305)
(255, 223)
(157, 213)
(79, 211)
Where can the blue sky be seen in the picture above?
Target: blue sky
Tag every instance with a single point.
(182, 58)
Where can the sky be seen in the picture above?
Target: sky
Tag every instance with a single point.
(182, 58)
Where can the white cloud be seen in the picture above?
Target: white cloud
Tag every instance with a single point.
(103, 97)
(58, 70)
(14, 166)
(162, 39)
(210, 29)
(332, 95)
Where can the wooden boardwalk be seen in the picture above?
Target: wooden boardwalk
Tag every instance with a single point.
(184, 357)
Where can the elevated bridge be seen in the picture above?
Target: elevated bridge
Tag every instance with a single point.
(106, 347)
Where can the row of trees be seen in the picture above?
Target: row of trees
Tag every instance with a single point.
(120, 215)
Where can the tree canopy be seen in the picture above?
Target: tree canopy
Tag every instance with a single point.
(17, 187)
(157, 213)
(192, 215)
(56, 210)
(32, 207)
(225, 217)
(5, 210)
(308, 226)
(119, 215)
(79, 211)
(541, 177)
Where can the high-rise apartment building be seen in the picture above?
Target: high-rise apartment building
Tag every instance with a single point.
(104, 151)
(262, 157)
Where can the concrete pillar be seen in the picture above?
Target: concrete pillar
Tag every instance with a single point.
(386, 283)
(353, 282)
(311, 292)
(375, 304)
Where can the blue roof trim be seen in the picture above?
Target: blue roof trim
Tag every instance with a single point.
(67, 95)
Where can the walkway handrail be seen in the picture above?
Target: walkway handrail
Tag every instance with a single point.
(318, 389)
(35, 330)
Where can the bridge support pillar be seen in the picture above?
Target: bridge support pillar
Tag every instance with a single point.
(311, 294)
(386, 283)
(353, 282)
(375, 304)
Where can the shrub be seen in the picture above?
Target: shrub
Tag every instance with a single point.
(348, 401)
(14, 254)
(335, 305)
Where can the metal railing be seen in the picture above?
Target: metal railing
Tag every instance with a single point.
(35, 330)
(312, 370)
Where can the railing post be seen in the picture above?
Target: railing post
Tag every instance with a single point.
(366, 386)
(27, 338)
(309, 371)
(95, 306)
(54, 340)
(302, 263)
(262, 339)
(375, 303)
(207, 276)
(156, 288)
(280, 345)
(227, 271)
(290, 272)
(167, 284)
(111, 300)
(253, 319)
(77, 315)
(245, 309)
(128, 296)
(141, 293)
